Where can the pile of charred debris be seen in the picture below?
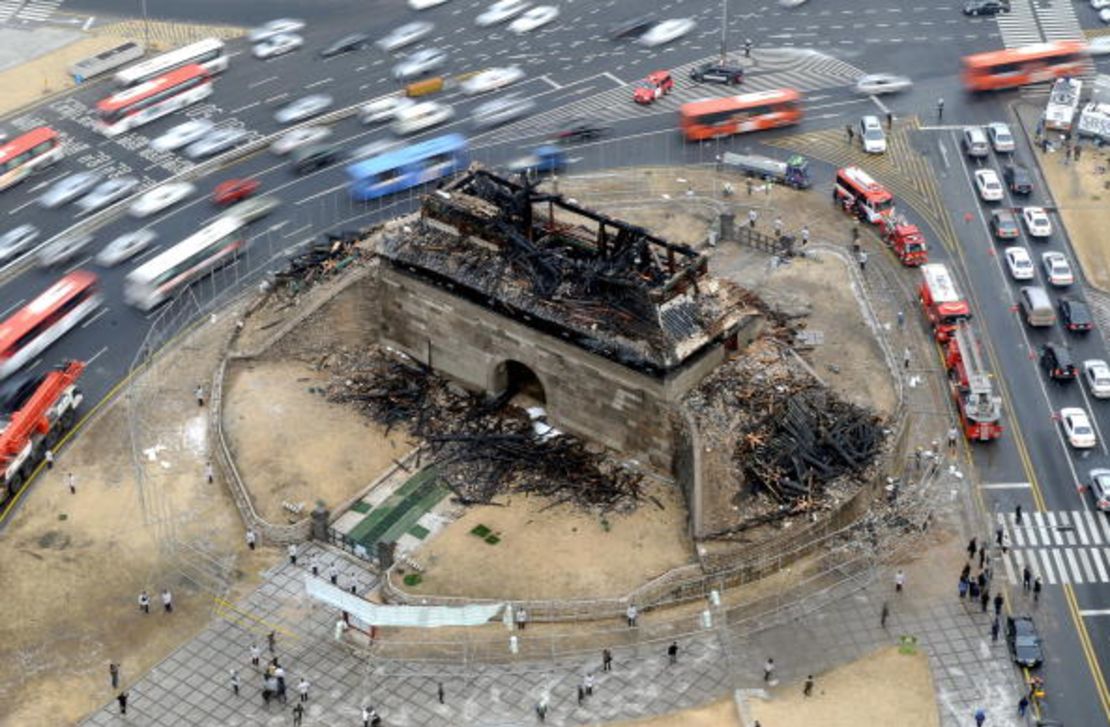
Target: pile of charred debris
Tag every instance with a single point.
(334, 253)
(480, 447)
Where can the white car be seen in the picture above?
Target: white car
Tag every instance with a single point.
(1097, 374)
(988, 185)
(421, 116)
(1099, 45)
(281, 26)
(214, 143)
(296, 138)
(1077, 427)
(537, 17)
(124, 247)
(69, 188)
(424, 4)
(374, 148)
(62, 250)
(1057, 269)
(1104, 15)
(1002, 139)
(491, 79)
(160, 198)
(871, 135)
(876, 84)
(105, 193)
(419, 63)
(667, 31)
(501, 110)
(303, 108)
(407, 34)
(1019, 263)
(1036, 221)
(182, 135)
(501, 11)
(277, 45)
(1100, 4)
(1100, 488)
(384, 109)
(16, 241)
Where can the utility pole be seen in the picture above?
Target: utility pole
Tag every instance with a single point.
(724, 31)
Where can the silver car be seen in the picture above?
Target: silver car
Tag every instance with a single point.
(125, 247)
(106, 193)
(69, 188)
(303, 108)
(281, 26)
(277, 45)
(16, 241)
(407, 34)
(419, 63)
(253, 208)
(62, 250)
(501, 110)
(216, 142)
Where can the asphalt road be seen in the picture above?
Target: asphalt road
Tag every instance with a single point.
(573, 71)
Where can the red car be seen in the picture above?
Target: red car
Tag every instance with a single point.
(233, 190)
(657, 85)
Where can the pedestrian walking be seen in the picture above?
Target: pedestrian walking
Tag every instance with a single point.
(209, 473)
(980, 717)
(768, 669)
(749, 180)
(439, 692)
(953, 435)
(279, 675)
(1005, 544)
(581, 694)
(298, 714)
(807, 690)
(901, 320)
(1023, 704)
(606, 660)
(994, 629)
(851, 134)
(1026, 578)
(752, 217)
(199, 394)
(973, 590)
(963, 586)
(672, 652)
(630, 614)
(940, 109)
(985, 599)
(252, 538)
(71, 481)
(889, 120)
(747, 48)
(113, 674)
(1017, 515)
(589, 684)
(122, 699)
(998, 537)
(144, 602)
(862, 261)
(314, 565)
(972, 546)
(541, 710)
(899, 581)
(982, 556)
(883, 616)
(292, 550)
(365, 717)
(966, 572)
(167, 600)
(521, 619)
(271, 642)
(1077, 151)
(333, 574)
(778, 226)
(49, 457)
(256, 653)
(805, 236)
(302, 690)
(998, 601)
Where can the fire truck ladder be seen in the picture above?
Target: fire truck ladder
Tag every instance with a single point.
(980, 402)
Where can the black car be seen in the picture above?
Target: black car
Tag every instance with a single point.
(1004, 225)
(315, 156)
(1075, 315)
(632, 27)
(1018, 179)
(986, 7)
(580, 129)
(1024, 641)
(717, 73)
(1057, 362)
(346, 44)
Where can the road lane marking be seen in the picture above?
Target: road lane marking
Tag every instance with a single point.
(279, 97)
(609, 75)
(547, 80)
(12, 307)
(1095, 612)
(83, 261)
(244, 108)
(297, 231)
(322, 82)
(22, 206)
(95, 356)
(103, 309)
(1006, 486)
(256, 84)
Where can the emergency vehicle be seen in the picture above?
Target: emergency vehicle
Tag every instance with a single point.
(905, 240)
(943, 305)
(862, 196)
(979, 407)
(657, 85)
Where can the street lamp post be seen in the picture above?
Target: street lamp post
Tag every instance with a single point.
(146, 26)
(724, 30)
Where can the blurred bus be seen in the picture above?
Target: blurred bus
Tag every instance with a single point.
(153, 99)
(407, 167)
(1012, 67)
(715, 117)
(28, 153)
(28, 331)
(208, 53)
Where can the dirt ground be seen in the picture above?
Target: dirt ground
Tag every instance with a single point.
(556, 553)
(885, 688)
(721, 713)
(1082, 194)
(347, 451)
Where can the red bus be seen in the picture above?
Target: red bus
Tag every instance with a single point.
(153, 99)
(28, 153)
(28, 331)
(714, 117)
(1013, 67)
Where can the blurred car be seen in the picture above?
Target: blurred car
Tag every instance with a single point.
(281, 26)
(1100, 482)
(316, 156)
(1099, 45)
(534, 18)
(406, 34)
(667, 31)
(1075, 315)
(632, 27)
(1018, 179)
(424, 4)
(160, 198)
(1077, 427)
(383, 109)
(491, 79)
(291, 140)
(1057, 269)
(234, 190)
(876, 84)
(717, 73)
(346, 44)
(986, 7)
(1036, 221)
(254, 208)
(1024, 641)
(303, 108)
(63, 249)
(580, 130)
(1104, 15)
(107, 192)
(1002, 139)
(16, 241)
(421, 116)
(182, 135)
(1096, 372)
(501, 11)
(419, 63)
(374, 148)
(871, 135)
(124, 247)
(277, 45)
(1004, 225)
(1019, 263)
(988, 185)
(657, 85)
(546, 158)
(69, 188)
(214, 143)
(1057, 362)
(501, 110)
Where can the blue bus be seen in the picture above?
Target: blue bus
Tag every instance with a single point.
(408, 167)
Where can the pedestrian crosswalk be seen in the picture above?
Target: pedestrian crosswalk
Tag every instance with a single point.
(1033, 21)
(28, 10)
(1061, 547)
(8, 8)
(1019, 26)
(1057, 19)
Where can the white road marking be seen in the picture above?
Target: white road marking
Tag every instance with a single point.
(12, 307)
(256, 84)
(96, 355)
(244, 108)
(1006, 486)
(103, 309)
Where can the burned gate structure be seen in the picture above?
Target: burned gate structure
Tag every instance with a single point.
(500, 286)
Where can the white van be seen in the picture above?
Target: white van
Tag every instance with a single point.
(421, 116)
(1036, 306)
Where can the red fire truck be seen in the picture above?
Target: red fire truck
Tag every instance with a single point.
(862, 196)
(944, 307)
(980, 409)
(905, 240)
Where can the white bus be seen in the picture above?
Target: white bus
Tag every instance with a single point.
(197, 255)
(135, 106)
(208, 53)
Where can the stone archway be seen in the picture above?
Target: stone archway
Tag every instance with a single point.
(518, 379)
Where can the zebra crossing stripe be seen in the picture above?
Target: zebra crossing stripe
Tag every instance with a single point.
(1009, 569)
(1060, 569)
(1097, 558)
(1077, 523)
(1076, 576)
(1086, 563)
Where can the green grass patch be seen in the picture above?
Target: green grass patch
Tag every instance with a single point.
(361, 506)
(413, 579)
(480, 530)
(419, 532)
(492, 539)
